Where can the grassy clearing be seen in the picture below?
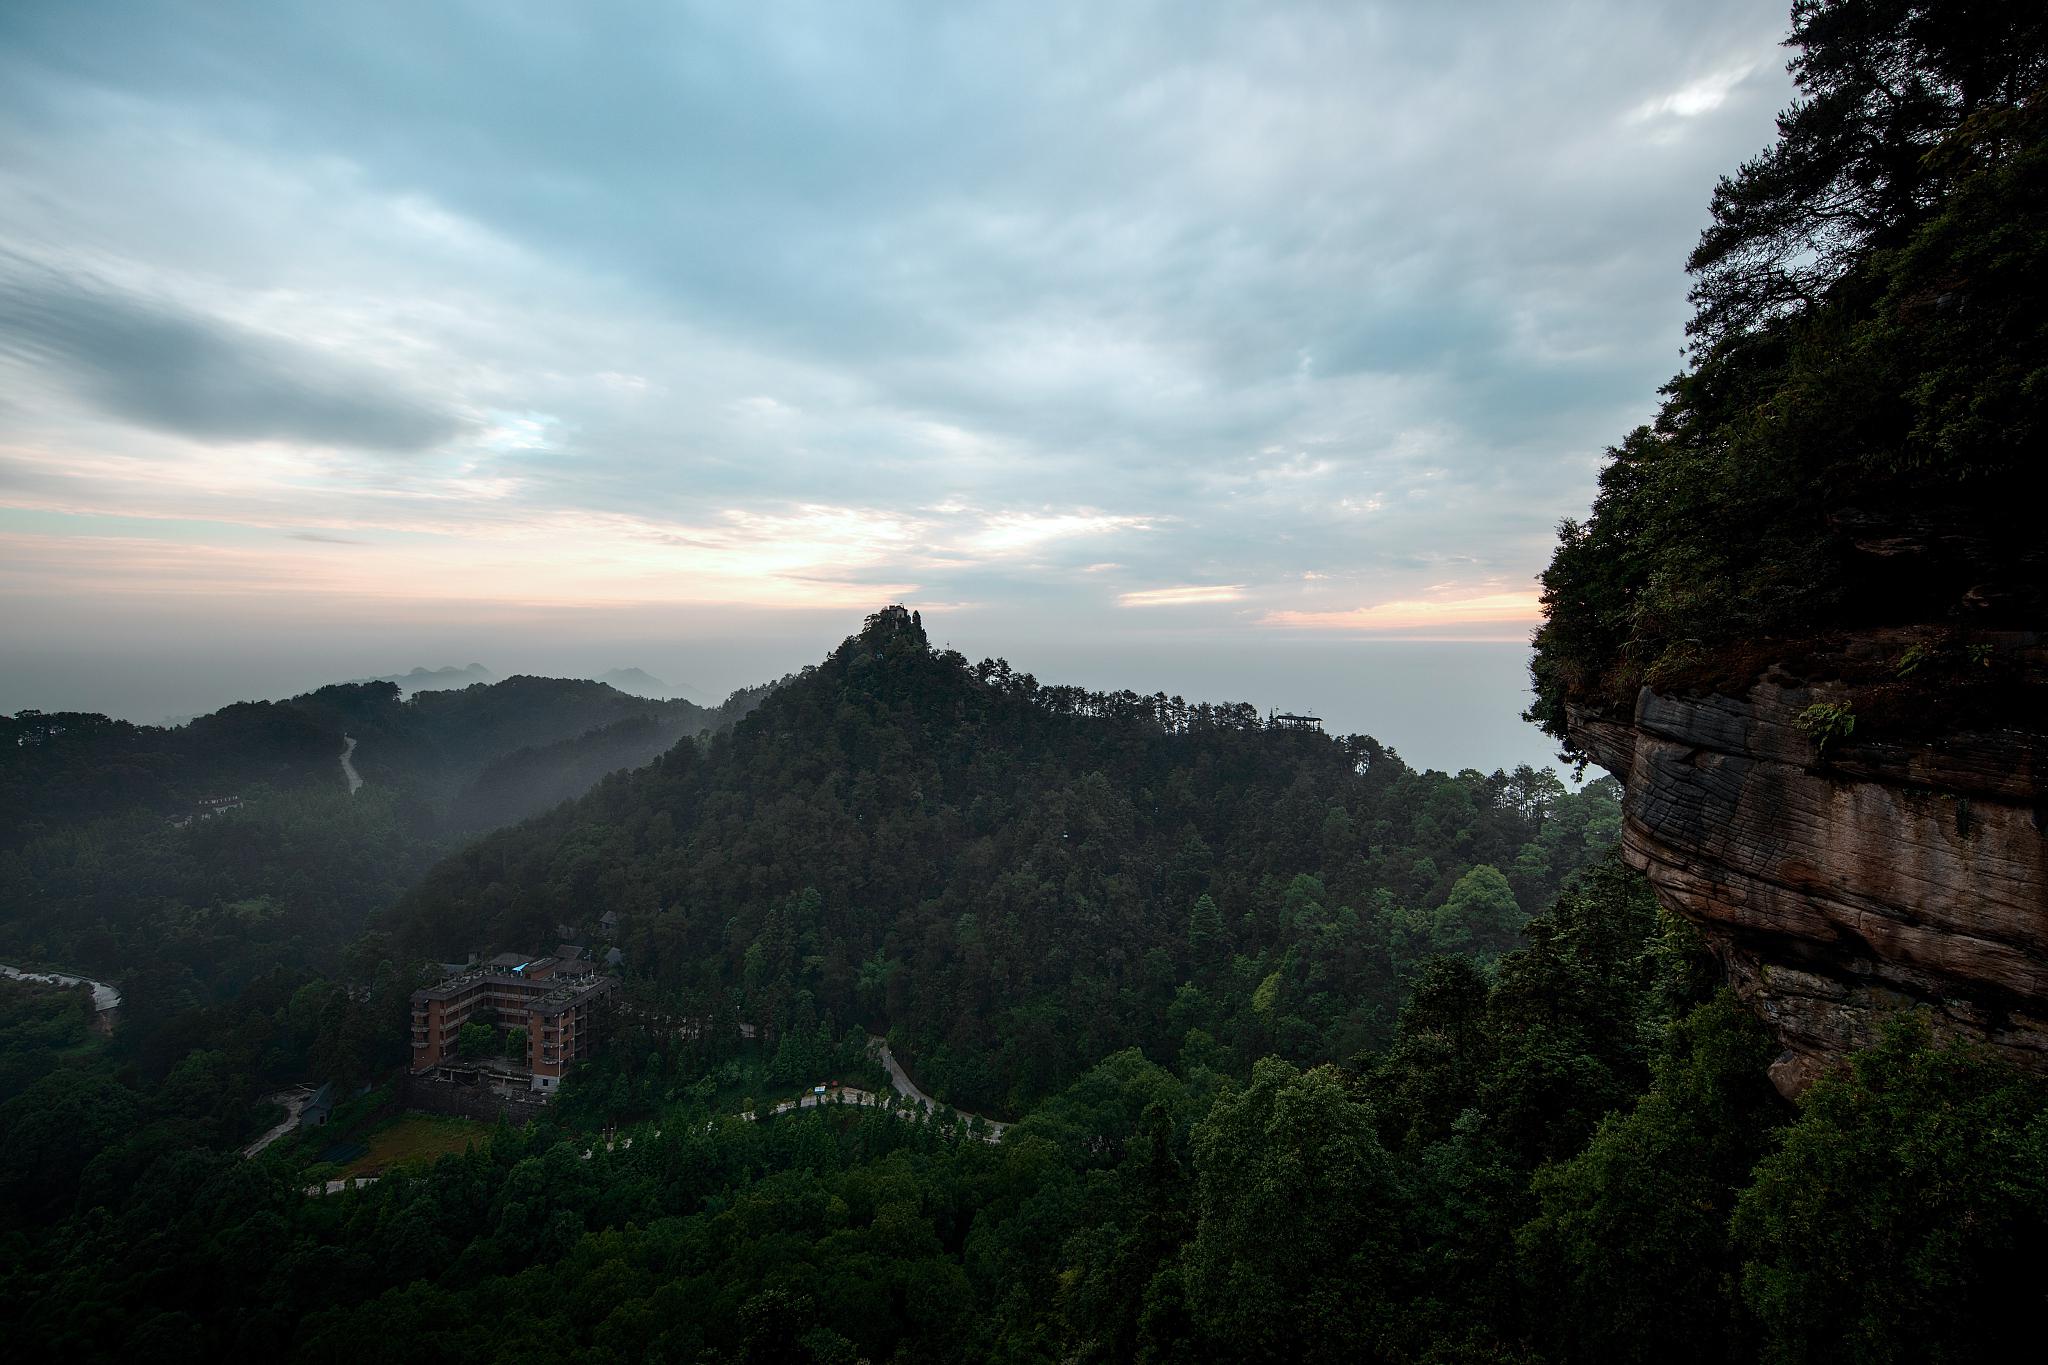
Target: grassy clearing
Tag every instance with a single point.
(414, 1139)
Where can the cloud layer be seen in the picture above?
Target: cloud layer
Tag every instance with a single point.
(1306, 317)
(156, 365)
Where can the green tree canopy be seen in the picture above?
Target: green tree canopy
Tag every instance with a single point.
(1295, 1150)
(1480, 914)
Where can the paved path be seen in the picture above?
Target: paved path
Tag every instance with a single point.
(294, 1101)
(900, 1079)
(104, 997)
(348, 766)
(992, 1130)
(847, 1094)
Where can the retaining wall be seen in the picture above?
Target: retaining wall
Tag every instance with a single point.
(469, 1099)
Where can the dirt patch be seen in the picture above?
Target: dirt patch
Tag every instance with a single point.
(414, 1140)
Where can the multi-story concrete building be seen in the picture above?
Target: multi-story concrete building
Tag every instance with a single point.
(561, 1004)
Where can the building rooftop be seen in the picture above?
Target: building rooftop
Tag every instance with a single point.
(546, 989)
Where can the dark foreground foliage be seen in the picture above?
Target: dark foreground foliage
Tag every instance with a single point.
(1573, 1158)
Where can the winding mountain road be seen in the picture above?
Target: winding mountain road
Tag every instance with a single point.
(900, 1078)
(104, 997)
(904, 1086)
(348, 767)
(992, 1130)
(294, 1101)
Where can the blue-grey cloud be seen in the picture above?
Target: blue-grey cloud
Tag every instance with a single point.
(1333, 300)
(925, 197)
(151, 362)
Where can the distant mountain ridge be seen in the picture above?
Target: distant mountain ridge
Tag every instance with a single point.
(435, 679)
(637, 681)
(633, 681)
(443, 743)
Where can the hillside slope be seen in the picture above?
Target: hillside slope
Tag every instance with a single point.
(186, 861)
(1024, 878)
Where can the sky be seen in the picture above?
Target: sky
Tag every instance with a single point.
(1247, 351)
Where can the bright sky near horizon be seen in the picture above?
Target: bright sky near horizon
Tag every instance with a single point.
(1154, 334)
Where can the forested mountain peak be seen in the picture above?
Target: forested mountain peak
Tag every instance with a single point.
(1017, 877)
(895, 627)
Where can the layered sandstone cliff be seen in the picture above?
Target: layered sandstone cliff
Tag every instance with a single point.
(1888, 872)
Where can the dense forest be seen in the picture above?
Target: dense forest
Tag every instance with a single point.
(187, 861)
(1016, 880)
(1560, 1144)
(1572, 1155)
(1857, 437)
(1306, 1055)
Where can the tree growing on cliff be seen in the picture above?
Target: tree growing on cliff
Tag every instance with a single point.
(1884, 87)
(1868, 383)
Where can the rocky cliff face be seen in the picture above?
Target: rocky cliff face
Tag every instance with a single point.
(1888, 874)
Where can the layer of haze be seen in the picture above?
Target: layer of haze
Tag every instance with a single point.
(1234, 350)
(1441, 705)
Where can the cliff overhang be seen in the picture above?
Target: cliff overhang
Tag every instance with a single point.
(1841, 882)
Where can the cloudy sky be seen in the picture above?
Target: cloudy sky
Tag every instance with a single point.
(1128, 340)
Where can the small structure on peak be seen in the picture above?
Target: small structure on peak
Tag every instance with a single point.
(893, 621)
(1287, 720)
